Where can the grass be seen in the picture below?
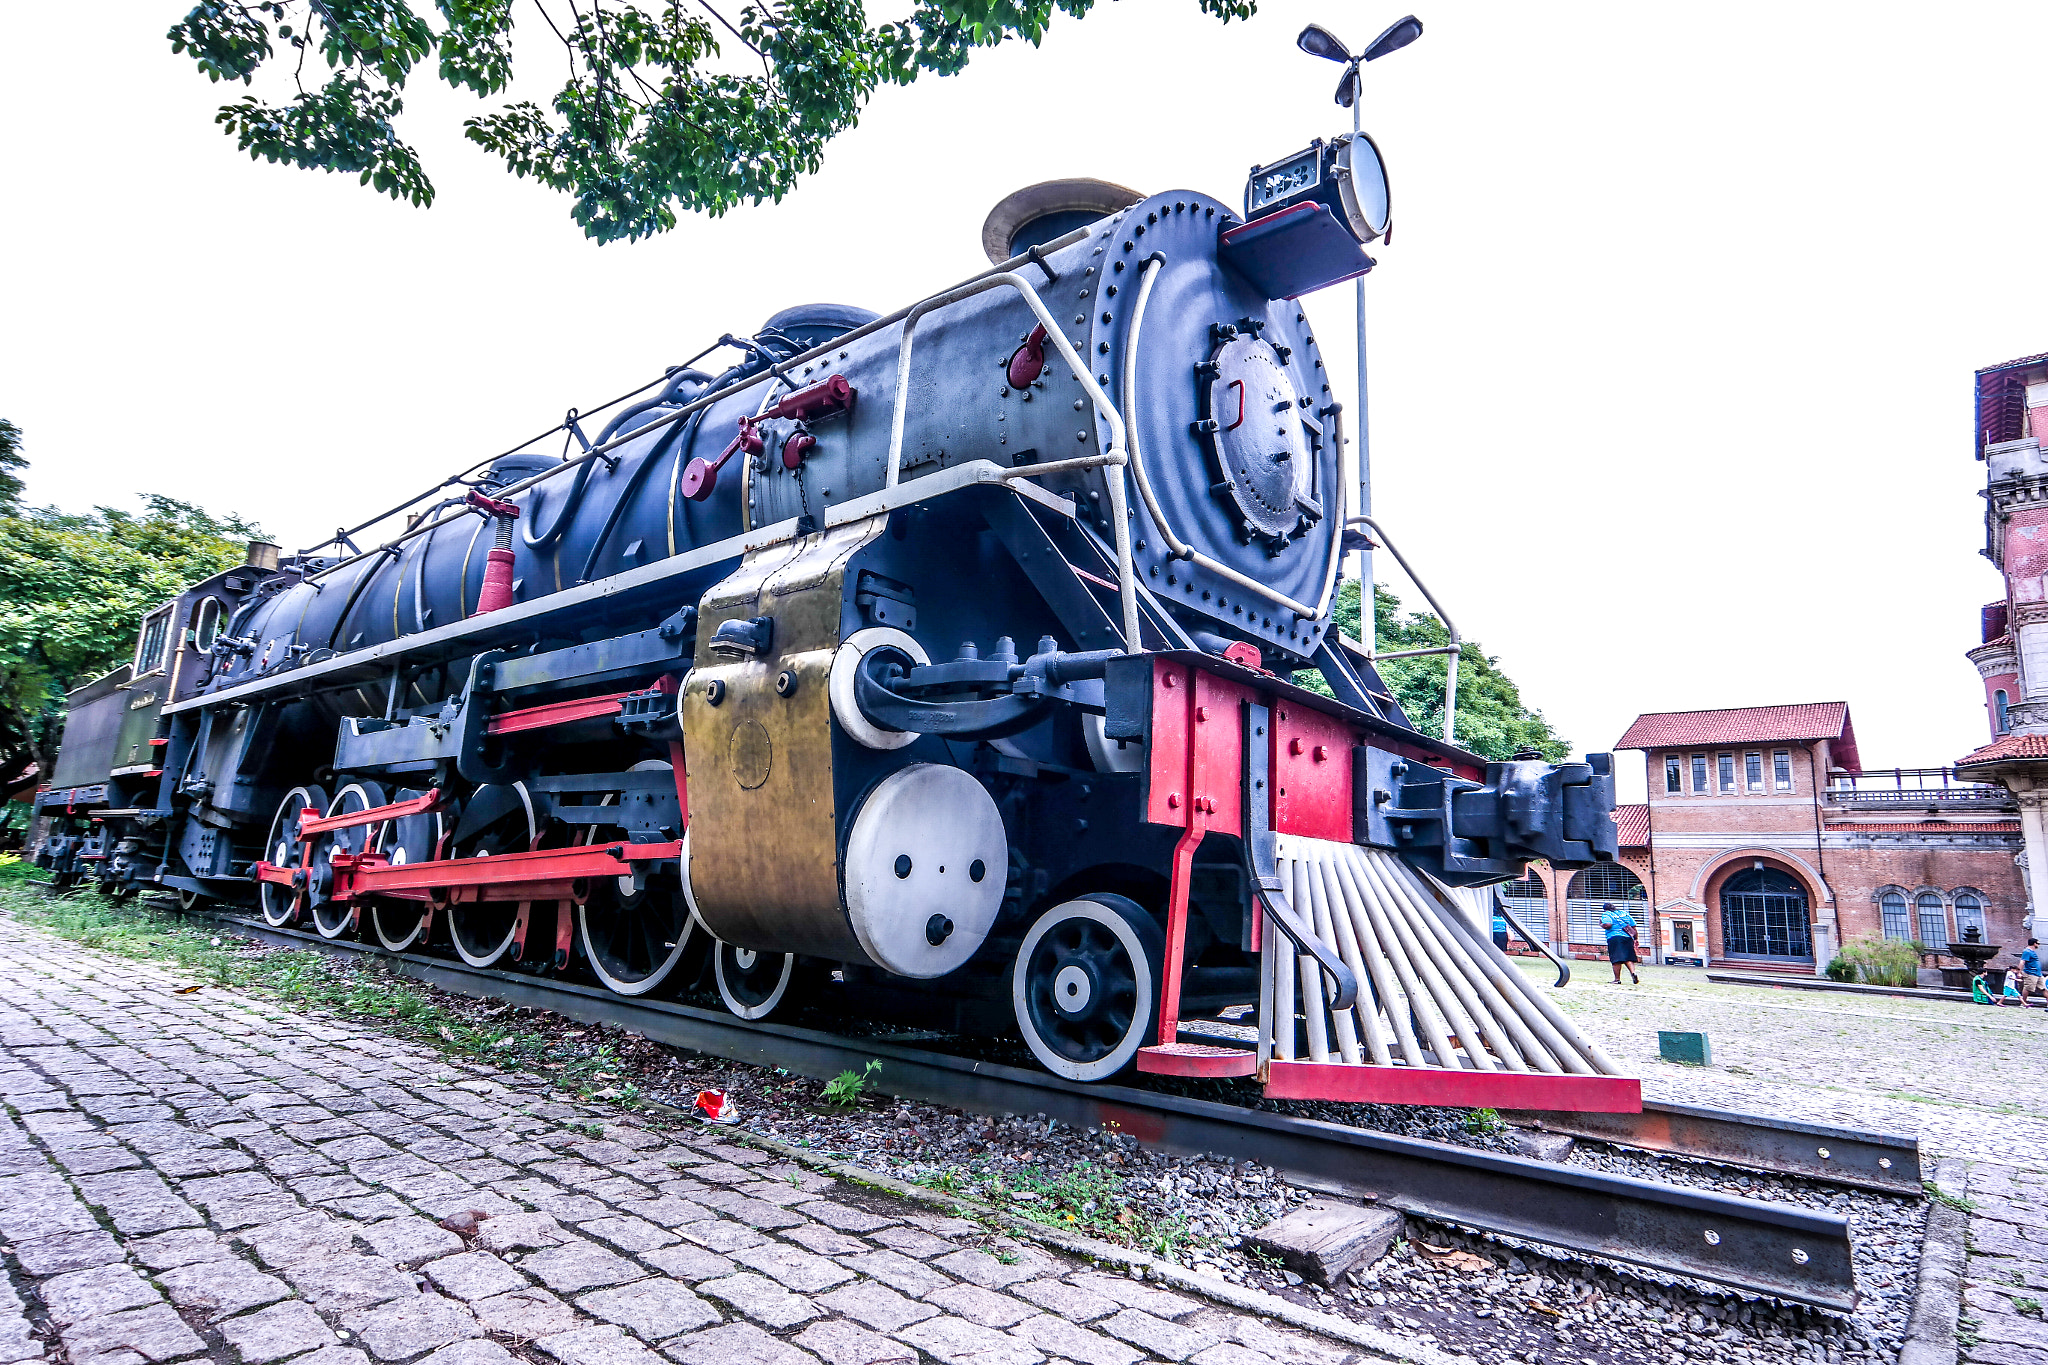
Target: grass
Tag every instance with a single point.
(845, 1089)
(1084, 1198)
(1956, 1202)
(354, 991)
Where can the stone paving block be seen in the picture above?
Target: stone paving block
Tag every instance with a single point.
(605, 1345)
(955, 1341)
(653, 1310)
(723, 1173)
(93, 1160)
(579, 1265)
(721, 1236)
(1067, 1341)
(943, 1225)
(371, 1208)
(220, 1288)
(570, 1208)
(842, 1343)
(472, 1352)
(307, 1237)
(95, 1293)
(33, 1206)
(276, 1332)
(67, 1251)
(911, 1241)
(667, 1211)
(456, 1201)
(346, 1282)
(628, 1234)
(984, 1306)
(777, 1192)
(403, 1328)
(1068, 1301)
(525, 1314)
(845, 1217)
(473, 1275)
(897, 1271)
(979, 1267)
(334, 1355)
(800, 1270)
(408, 1241)
(321, 1188)
(1265, 1343)
(761, 1299)
(202, 1161)
(686, 1262)
(155, 1333)
(185, 1246)
(736, 1343)
(1134, 1294)
(519, 1232)
(826, 1242)
(1160, 1336)
(359, 1147)
(877, 1305)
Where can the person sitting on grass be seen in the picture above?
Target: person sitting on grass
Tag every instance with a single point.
(1621, 941)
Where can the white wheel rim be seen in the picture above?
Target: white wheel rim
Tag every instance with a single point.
(1141, 1016)
(490, 958)
(733, 1002)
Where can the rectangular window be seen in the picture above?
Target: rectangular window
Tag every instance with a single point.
(1672, 782)
(1699, 774)
(1753, 769)
(149, 654)
(1897, 923)
(1727, 764)
(1781, 768)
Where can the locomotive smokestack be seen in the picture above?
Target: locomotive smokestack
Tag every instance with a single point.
(1038, 213)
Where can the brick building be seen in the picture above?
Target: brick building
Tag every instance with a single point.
(1766, 844)
(2011, 420)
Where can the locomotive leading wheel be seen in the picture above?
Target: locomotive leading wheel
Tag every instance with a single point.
(482, 930)
(1085, 984)
(402, 924)
(753, 985)
(333, 918)
(634, 939)
(285, 849)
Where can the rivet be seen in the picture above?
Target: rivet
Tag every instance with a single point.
(1173, 798)
(1201, 713)
(1322, 753)
(1295, 746)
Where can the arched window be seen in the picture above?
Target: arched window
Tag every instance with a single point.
(1999, 701)
(1969, 904)
(206, 624)
(1933, 916)
(1600, 884)
(1764, 914)
(1891, 904)
(1529, 888)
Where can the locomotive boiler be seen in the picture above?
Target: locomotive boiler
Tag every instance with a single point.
(954, 657)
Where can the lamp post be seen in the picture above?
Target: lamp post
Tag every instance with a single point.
(1318, 41)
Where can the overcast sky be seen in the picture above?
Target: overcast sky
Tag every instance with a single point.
(1672, 348)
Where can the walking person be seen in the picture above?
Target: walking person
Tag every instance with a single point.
(1500, 930)
(2030, 974)
(1621, 941)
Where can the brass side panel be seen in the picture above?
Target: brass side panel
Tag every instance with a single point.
(764, 846)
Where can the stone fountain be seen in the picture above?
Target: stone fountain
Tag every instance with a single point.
(1974, 953)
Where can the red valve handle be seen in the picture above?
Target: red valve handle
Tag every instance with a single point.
(1028, 361)
(700, 476)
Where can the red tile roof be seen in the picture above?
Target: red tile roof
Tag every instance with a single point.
(1928, 826)
(1744, 725)
(1632, 824)
(2009, 746)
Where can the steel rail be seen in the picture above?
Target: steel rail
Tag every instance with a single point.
(1883, 1162)
(1744, 1244)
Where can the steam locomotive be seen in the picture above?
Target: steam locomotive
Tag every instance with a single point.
(949, 655)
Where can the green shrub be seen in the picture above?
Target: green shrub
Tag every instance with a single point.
(1882, 961)
(1841, 969)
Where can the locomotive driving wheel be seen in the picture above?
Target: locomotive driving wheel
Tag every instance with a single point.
(634, 937)
(285, 849)
(332, 918)
(753, 984)
(402, 924)
(482, 931)
(1085, 985)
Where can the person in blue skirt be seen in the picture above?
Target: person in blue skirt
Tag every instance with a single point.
(1621, 941)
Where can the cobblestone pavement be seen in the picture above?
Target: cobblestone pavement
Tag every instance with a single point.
(1967, 1080)
(205, 1174)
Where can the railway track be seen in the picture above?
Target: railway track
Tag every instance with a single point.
(1760, 1248)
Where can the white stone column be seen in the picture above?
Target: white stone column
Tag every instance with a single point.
(2034, 828)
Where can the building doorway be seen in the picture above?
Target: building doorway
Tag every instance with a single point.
(1764, 914)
